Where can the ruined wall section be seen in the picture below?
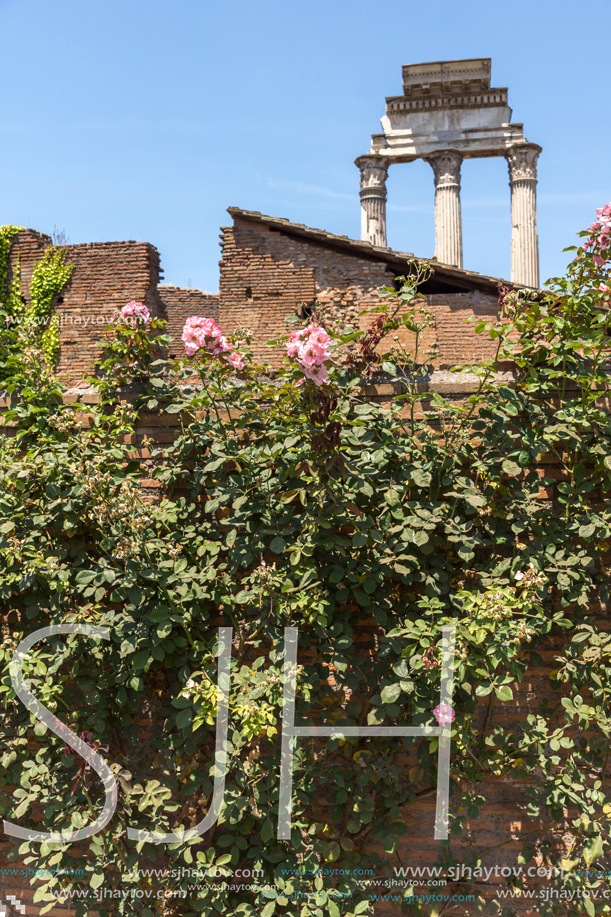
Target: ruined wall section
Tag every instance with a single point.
(263, 279)
(105, 277)
(268, 274)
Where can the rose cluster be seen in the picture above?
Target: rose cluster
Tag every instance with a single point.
(310, 348)
(204, 334)
(600, 236)
(133, 313)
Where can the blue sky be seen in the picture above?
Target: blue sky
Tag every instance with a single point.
(144, 120)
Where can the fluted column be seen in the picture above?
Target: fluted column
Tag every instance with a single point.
(448, 222)
(522, 160)
(374, 171)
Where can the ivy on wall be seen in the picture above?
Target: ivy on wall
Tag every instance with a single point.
(49, 277)
(11, 293)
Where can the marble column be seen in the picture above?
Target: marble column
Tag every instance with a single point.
(448, 222)
(374, 171)
(522, 160)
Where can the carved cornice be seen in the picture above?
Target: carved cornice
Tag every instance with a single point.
(522, 161)
(446, 166)
(493, 98)
(374, 172)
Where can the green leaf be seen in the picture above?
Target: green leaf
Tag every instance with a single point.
(593, 849)
(159, 614)
(504, 693)
(336, 575)
(269, 909)
(333, 852)
(184, 718)
(96, 880)
(84, 576)
(278, 545)
(390, 693)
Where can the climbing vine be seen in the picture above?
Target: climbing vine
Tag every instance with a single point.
(49, 277)
(7, 233)
(289, 499)
(11, 303)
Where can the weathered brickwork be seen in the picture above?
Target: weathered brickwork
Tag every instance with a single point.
(105, 277)
(270, 271)
(455, 335)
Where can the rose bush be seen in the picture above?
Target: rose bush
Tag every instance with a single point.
(369, 528)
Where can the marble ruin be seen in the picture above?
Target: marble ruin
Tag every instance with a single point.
(448, 112)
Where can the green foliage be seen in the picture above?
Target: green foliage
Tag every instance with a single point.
(369, 528)
(34, 327)
(49, 277)
(6, 238)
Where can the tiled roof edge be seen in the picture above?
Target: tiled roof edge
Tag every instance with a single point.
(358, 247)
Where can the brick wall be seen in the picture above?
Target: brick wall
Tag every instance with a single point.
(105, 277)
(268, 274)
(455, 334)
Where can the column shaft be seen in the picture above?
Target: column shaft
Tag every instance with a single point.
(522, 161)
(448, 221)
(374, 171)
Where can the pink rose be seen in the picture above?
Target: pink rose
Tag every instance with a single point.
(201, 333)
(309, 347)
(218, 345)
(317, 374)
(234, 359)
(133, 313)
(444, 714)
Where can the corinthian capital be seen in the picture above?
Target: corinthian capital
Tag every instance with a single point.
(374, 172)
(446, 166)
(522, 160)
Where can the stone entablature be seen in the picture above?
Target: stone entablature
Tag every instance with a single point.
(450, 107)
(492, 99)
